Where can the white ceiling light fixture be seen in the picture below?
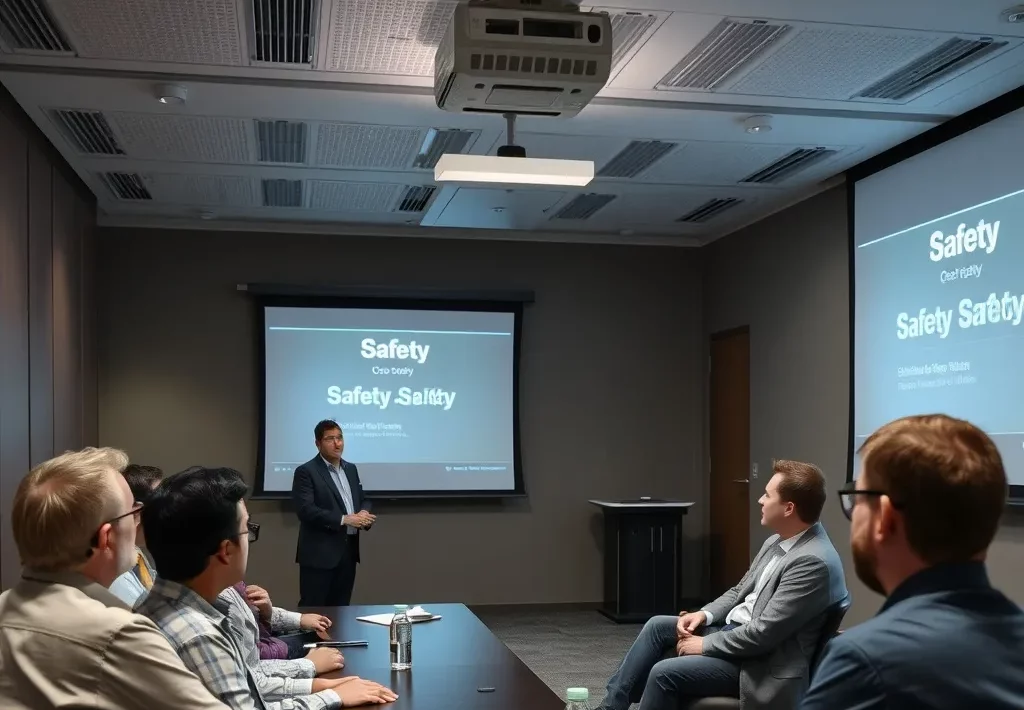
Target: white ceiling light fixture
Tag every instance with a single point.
(511, 166)
(172, 94)
(758, 124)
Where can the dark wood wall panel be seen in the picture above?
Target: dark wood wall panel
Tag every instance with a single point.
(40, 304)
(14, 342)
(48, 382)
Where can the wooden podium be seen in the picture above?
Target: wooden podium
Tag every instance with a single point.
(642, 548)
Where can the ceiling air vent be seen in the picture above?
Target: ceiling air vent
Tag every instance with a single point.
(415, 198)
(635, 158)
(27, 24)
(789, 165)
(126, 186)
(281, 141)
(584, 206)
(88, 131)
(727, 48)
(630, 29)
(928, 70)
(282, 193)
(284, 30)
(439, 141)
(709, 210)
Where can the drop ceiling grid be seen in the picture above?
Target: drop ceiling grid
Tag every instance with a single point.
(831, 63)
(185, 138)
(181, 31)
(355, 145)
(336, 196)
(714, 163)
(203, 190)
(394, 37)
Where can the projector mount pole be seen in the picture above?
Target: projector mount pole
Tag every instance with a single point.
(510, 149)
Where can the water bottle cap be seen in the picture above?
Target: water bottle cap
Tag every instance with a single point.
(577, 694)
(401, 607)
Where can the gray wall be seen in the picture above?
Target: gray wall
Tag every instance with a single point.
(47, 312)
(787, 278)
(611, 396)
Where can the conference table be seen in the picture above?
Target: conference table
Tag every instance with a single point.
(451, 659)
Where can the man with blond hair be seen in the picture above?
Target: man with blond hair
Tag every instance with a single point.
(923, 512)
(65, 640)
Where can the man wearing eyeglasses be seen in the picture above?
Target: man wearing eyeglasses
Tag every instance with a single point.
(199, 531)
(139, 578)
(329, 502)
(923, 513)
(65, 640)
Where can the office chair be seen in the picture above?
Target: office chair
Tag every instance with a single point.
(833, 618)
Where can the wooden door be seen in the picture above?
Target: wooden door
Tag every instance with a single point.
(730, 458)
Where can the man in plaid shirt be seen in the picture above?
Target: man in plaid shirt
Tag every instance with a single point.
(198, 531)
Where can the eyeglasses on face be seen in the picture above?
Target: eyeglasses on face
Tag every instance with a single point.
(253, 529)
(332, 439)
(848, 498)
(136, 512)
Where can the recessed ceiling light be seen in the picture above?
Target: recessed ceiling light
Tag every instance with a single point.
(173, 94)
(758, 124)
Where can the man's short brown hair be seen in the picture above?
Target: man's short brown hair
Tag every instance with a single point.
(61, 504)
(803, 485)
(946, 477)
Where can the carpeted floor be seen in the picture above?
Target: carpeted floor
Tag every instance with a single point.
(566, 649)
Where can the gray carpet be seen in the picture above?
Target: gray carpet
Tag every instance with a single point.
(566, 649)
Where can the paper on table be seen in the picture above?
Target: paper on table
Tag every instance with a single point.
(417, 613)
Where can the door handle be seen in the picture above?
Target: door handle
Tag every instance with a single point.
(741, 480)
(652, 539)
(661, 539)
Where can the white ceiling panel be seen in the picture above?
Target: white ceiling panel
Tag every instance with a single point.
(496, 208)
(207, 139)
(393, 37)
(181, 31)
(364, 146)
(324, 111)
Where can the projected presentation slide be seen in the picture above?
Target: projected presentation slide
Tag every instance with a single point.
(939, 302)
(425, 398)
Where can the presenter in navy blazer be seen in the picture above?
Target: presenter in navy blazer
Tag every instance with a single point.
(329, 501)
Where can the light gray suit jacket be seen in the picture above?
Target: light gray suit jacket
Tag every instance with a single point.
(774, 649)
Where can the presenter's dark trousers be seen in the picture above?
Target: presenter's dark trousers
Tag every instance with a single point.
(328, 587)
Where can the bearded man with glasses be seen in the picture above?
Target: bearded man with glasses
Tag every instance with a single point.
(923, 512)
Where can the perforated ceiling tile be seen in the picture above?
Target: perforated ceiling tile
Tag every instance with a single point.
(207, 190)
(352, 196)
(209, 139)
(353, 145)
(396, 37)
(713, 163)
(186, 31)
(831, 63)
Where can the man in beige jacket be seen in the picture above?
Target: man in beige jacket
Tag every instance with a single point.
(65, 641)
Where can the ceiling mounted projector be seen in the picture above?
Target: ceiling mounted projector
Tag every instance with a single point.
(531, 57)
(511, 166)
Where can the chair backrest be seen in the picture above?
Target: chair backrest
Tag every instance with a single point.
(833, 618)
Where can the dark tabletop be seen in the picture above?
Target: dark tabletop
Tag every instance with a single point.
(451, 658)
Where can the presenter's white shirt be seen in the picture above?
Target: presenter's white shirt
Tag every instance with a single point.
(741, 613)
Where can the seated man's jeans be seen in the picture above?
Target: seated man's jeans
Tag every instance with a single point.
(659, 683)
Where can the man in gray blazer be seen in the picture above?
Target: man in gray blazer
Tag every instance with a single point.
(754, 642)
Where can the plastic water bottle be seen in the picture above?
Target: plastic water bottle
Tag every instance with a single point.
(577, 699)
(401, 639)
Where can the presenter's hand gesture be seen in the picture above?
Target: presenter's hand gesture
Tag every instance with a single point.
(689, 622)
